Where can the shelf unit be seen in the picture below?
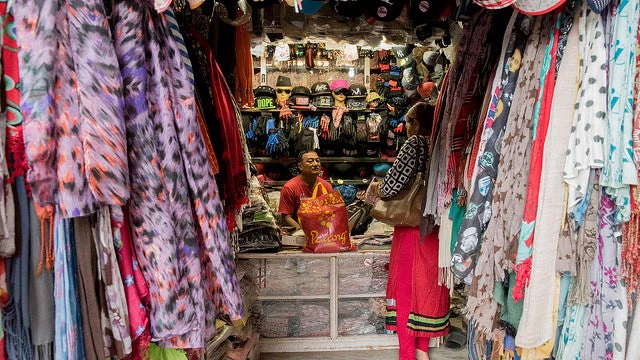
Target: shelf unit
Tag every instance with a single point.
(319, 111)
(269, 267)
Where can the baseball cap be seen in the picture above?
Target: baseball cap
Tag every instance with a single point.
(339, 84)
(320, 88)
(300, 97)
(265, 97)
(385, 10)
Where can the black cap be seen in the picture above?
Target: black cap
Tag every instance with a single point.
(385, 10)
(357, 91)
(424, 11)
(320, 88)
(264, 90)
(301, 90)
(349, 8)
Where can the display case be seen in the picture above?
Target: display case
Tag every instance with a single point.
(319, 302)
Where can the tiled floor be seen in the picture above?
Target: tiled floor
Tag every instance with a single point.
(436, 354)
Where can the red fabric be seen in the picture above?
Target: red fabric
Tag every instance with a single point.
(244, 67)
(291, 193)
(413, 271)
(408, 343)
(523, 270)
(136, 290)
(235, 185)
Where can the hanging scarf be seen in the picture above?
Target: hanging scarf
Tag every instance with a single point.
(501, 234)
(68, 336)
(586, 144)
(537, 325)
(540, 127)
(115, 314)
(468, 61)
(619, 169)
(136, 290)
(598, 335)
(244, 67)
(478, 210)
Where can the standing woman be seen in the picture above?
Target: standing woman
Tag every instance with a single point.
(417, 307)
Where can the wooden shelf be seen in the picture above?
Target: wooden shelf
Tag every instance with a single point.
(324, 159)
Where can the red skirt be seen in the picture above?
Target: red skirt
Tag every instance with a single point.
(413, 283)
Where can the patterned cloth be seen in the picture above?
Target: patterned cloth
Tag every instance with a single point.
(619, 169)
(498, 245)
(598, 335)
(411, 160)
(478, 210)
(68, 341)
(63, 109)
(540, 127)
(586, 144)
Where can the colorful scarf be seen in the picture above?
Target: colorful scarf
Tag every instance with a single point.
(68, 336)
(469, 59)
(478, 210)
(619, 169)
(136, 290)
(537, 325)
(540, 127)
(599, 332)
(497, 250)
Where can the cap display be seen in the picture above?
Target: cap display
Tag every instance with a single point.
(356, 99)
(381, 169)
(320, 88)
(373, 96)
(300, 97)
(423, 11)
(339, 84)
(265, 97)
(349, 8)
(385, 10)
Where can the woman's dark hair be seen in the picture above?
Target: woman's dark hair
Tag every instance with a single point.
(421, 114)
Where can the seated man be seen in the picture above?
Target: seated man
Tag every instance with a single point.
(299, 187)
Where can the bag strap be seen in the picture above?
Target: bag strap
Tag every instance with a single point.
(315, 190)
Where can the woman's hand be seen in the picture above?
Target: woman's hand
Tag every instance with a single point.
(371, 196)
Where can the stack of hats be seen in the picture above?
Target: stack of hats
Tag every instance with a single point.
(321, 95)
(356, 99)
(265, 97)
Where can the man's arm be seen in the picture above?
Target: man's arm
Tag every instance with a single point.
(288, 219)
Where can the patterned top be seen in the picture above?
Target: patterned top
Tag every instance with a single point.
(412, 158)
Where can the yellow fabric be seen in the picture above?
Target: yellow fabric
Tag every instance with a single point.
(544, 351)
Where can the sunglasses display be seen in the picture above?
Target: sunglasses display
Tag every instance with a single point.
(285, 91)
(341, 91)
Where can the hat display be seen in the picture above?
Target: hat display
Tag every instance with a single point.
(339, 84)
(283, 82)
(373, 96)
(423, 11)
(356, 99)
(321, 95)
(265, 97)
(426, 89)
(410, 79)
(539, 7)
(381, 169)
(348, 8)
(300, 97)
(320, 88)
(385, 10)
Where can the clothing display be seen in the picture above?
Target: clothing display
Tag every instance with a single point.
(150, 171)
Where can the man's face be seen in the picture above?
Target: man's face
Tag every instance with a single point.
(310, 164)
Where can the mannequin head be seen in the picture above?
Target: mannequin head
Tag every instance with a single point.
(283, 90)
(339, 91)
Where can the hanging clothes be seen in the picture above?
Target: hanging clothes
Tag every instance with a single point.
(478, 210)
(619, 169)
(537, 325)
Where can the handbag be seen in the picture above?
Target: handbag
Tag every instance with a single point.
(405, 208)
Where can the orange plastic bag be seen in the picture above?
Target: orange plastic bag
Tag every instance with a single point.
(325, 222)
